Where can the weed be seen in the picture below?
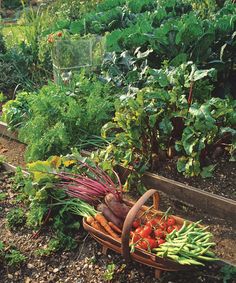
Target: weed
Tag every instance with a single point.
(15, 218)
(109, 272)
(228, 272)
(15, 258)
(2, 196)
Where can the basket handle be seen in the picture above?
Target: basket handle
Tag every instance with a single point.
(130, 218)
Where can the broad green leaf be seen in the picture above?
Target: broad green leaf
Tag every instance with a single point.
(166, 125)
(40, 170)
(200, 74)
(179, 59)
(106, 128)
(202, 45)
(192, 167)
(181, 164)
(207, 171)
(152, 120)
(77, 27)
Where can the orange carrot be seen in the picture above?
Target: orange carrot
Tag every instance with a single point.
(96, 225)
(102, 220)
(115, 228)
(89, 219)
(92, 222)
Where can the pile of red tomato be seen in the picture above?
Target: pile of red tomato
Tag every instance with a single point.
(152, 233)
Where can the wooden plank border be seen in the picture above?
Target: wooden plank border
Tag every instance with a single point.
(9, 134)
(11, 168)
(212, 204)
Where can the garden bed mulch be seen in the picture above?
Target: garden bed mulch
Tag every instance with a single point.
(88, 264)
(223, 182)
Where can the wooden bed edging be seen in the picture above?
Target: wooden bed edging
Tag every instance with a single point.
(5, 132)
(212, 204)
(11, 168)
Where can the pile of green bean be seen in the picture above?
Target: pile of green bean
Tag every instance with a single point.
(189, 245)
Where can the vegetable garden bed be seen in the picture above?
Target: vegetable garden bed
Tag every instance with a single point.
(156, 95)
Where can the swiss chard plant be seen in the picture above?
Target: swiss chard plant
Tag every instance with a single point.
(175, 111)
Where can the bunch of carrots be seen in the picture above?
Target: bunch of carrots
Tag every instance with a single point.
(92, 216)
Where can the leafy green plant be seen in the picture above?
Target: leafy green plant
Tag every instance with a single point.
(58, 117)
(15, 112)
(1, 251)
(228, 273)
(2, 44)
(1, 246)
(206, 126)
(3, 196)
(15, 258)
(15, 218)
(147, 124)
(12, 4)
(109, 272)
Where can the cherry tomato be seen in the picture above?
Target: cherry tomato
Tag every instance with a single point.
(136, 223)
(152, 243)
(176, 227)
(163, 226)
(147, 243)
(135, 237)
(146, 231)
(59, 34)
(143, 245)
(138, 230)
(160, 241)
(152, 222)
(159, 233)
(170, 229)
(171, 221)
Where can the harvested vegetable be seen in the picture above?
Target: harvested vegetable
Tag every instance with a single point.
(189, 245)
(102, 220)
(91, 185)
(109, 215)
(115, 228)
(90, 220)
(119, 208)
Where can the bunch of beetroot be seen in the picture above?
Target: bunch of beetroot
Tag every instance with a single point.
(114, 210)
(150, 234)
(91, 185)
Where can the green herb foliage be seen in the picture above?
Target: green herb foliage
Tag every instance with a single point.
(57, 117)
